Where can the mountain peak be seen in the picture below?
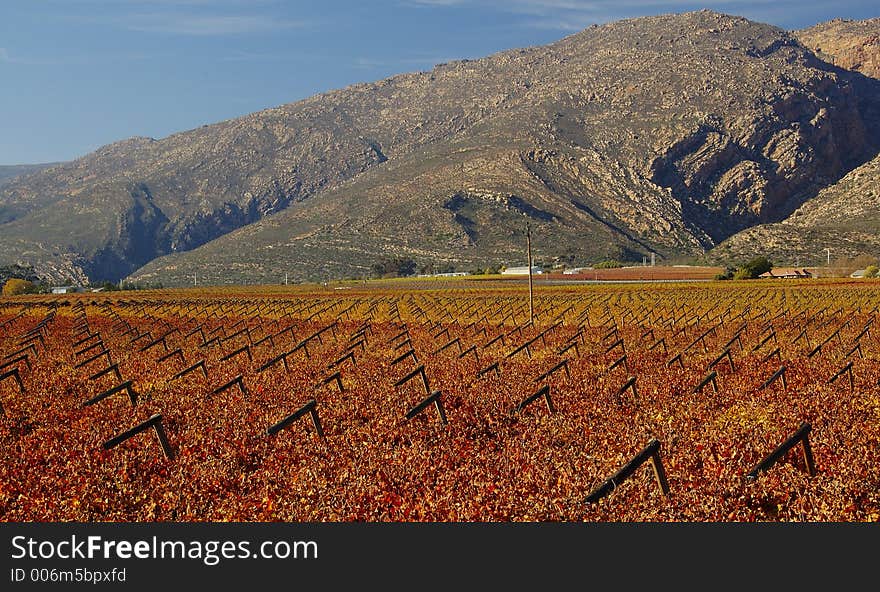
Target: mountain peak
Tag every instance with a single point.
(662, 134)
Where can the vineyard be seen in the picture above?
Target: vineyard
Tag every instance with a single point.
(746, 401)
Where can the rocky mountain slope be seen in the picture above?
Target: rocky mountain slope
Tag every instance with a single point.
(662, 134)
(854, 45)
(844, 217)
(10, 172)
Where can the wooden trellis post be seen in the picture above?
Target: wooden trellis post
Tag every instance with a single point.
(651, 453)
(802, 436)
(311, 408)
(621, 360)
(544, 392)
(776, 375)
(491, 367)
(710, 378)
(563, 365)
(847, 369)
(198, 365)
(418, 371)
(630, 384)
(154, 422)
(434, 398)
(721, 356)
(14, 375)
(125, 387)
(335, 377)
(238, 380)
(338, 361)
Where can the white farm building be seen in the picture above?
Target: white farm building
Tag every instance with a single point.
(524, 270)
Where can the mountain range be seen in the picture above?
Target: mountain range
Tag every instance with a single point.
(10, 172)
(698, 137)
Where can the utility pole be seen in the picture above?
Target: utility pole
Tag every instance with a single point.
(195, 280)
(529, 247)
(285, 278)
(828, 252)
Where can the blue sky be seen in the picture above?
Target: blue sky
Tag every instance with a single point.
(78, 74)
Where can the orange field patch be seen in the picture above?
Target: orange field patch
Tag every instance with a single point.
(443, 404)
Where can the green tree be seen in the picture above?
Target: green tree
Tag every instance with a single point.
(107, 286)
(394, 267)
(753, 268)
(871, 271)
(446, 268)
(728, 273)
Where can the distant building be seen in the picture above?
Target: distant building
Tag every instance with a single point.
(576, 270)
(787, 273)
(66, 289)
(524, 270)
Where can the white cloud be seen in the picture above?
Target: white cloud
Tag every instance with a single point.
(206, 25)
(83, 59)
(253, 56)
(369, 63)
(173, 3)
(6, 58)
(189, 22)
(435, 2)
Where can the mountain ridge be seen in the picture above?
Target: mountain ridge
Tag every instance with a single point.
(663, 134)
(9, 172)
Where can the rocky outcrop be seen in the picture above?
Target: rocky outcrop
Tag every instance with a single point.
(854, 45)
(844, 218)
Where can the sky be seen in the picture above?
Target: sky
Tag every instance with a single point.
(79, 74)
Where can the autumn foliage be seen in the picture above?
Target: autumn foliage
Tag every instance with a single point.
(499, 456)
(16, 286)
